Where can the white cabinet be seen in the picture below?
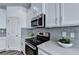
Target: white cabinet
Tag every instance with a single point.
(69, 14)
(30, 15)
(36, 8)
(23, 17)
(52, 14)
(41, 52)
(2, 18)
(50, 9)
(62, 14)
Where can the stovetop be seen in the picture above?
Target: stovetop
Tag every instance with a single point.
(34, 41)
(38, 39)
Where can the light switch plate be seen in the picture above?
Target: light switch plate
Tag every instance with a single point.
(64, 34)
(72, 35)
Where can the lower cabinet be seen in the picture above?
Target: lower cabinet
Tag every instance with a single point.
(41, 52)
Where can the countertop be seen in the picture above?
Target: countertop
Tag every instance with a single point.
(52, 48)
(28, 37)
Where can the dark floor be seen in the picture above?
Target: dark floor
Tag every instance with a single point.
(11, 52)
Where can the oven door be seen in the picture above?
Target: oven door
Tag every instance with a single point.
(30, 51)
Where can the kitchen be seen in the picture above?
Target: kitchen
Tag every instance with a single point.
(39, 28)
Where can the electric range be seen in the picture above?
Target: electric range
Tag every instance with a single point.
(31, 44)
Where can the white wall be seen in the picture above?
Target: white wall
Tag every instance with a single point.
(18, 11)
(2, 18)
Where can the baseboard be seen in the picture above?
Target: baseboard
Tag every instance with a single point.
(15, 49)
(1, 50)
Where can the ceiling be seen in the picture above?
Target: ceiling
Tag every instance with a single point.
(3, 5)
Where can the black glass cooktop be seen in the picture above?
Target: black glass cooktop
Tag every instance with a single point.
(37, 40)
(33, 41)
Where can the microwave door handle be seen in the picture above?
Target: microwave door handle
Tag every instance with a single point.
(42, 20)
(38, 22)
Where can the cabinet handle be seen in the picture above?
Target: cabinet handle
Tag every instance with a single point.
(60, 20)
(16, 35)
(56, 21)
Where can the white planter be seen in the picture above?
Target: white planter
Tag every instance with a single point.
(65, 45)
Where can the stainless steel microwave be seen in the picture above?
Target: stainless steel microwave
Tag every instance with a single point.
(38, 21)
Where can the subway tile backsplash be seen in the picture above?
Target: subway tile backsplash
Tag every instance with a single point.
(2, 32)
(55, 33)
(24, 32)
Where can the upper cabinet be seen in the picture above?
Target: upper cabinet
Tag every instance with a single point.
(2, 18)
(36, 8)
(69, 14)
(30, 15)
(61, 14)
(51, 10)
(52, 14)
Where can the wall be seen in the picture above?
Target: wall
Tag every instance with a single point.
(2, 18)
(24, 32)
(2, 22)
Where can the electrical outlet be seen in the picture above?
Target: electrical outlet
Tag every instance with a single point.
(64, 34)
(72, 35)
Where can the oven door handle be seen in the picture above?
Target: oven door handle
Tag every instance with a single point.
(30, 45)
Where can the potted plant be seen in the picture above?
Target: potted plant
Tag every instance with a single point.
(65, 42)
(30, 34)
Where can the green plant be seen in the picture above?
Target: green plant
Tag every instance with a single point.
(30, 33)
(64, 40)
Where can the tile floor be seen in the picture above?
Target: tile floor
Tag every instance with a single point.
(11, 52)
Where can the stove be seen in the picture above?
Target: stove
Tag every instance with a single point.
(31, 44)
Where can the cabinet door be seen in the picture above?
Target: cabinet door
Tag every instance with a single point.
(30, 15)
(40, 52)
(70, 13)
(51, 11)
(37, 8)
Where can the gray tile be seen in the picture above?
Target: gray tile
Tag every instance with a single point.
(11, 52)
(55, 33)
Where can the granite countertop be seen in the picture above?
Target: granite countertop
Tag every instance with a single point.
(52, 48)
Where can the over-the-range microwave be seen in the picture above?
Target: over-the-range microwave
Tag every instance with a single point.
(38, 21)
